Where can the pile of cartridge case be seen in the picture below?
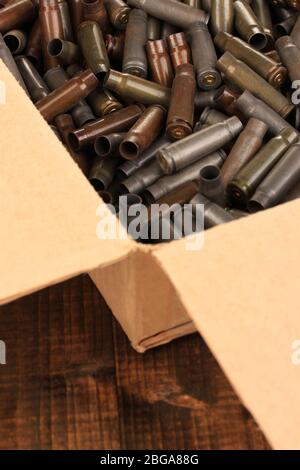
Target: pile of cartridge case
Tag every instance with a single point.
(167, 101)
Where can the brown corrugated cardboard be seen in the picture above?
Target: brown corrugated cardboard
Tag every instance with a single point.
(143, 299)
(48, 209)
(240, 290)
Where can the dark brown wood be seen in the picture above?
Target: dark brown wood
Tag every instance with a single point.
(72, 381)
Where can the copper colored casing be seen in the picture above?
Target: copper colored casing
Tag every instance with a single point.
(143, 133)
(179, 49)
(181, 111)
(15, 14)
(119, 121)
(65, 97)
(160, 62)
(51, 28)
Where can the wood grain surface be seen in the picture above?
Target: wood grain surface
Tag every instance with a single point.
(72, 381)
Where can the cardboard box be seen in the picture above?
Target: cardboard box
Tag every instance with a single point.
(241, 291)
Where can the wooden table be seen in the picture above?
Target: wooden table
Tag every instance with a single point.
(72, 381)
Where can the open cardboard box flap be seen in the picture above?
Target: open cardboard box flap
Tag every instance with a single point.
(243, 292)
(241, 289)
(48, 209)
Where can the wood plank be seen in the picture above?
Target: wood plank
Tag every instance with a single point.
(72, 381)
(58, 388)
(177, 397)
